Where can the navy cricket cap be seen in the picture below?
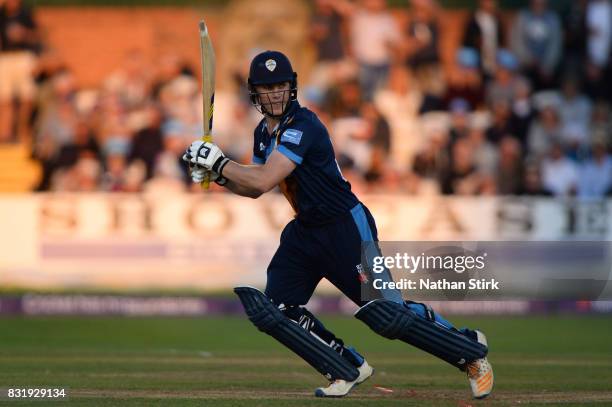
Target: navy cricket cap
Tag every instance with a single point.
(271, 67)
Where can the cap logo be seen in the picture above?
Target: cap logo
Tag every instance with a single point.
(271, 65)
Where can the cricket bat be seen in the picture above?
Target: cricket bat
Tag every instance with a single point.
(207, 54)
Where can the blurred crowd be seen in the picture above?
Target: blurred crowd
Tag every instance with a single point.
(523, 107)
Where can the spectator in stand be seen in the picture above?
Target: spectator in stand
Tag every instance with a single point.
(595, 175)
(131, 86)
(523, 111)
(374, 36)
(329, 34)
(111, 119)
(115, 152)
(400, 98)
(601, 124)
(599, 49)
(559, 173)
(459, 120)
(503, 85)
(462, 176)
(380, 174)
(421, 47)
(351, 130)
(176, 136)
(83, 176)
(234, 124)
(485, 153)
(503, 122)
(381, 177)
(465, 81)
(120, 175)
(537, 42)
(574, 39)
(575, 115)
(510, 169)
(48, 64)
(183, 122)
(147, 143)
(543, 132)
(134, 177)
(429, 165)
(485, 33)
(532, 182)
(399, 103)
(56, 125)
(83, 144)
(71, 167)
(18, 46)
(132, 82)
(181, 101)
(422, 41)
(169, 67)
(459, 110)
(379, 128)
(313, 100)
(169, 176)
(344, 99)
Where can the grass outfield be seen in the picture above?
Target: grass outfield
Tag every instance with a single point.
(227, 362)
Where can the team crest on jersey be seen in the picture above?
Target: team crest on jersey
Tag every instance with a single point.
(271, 65)
(291, 136)
(262, 146)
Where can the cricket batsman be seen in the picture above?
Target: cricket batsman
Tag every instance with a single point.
(293, 150)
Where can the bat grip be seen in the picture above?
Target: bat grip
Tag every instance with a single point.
(206, 183)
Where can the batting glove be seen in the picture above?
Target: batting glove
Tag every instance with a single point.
(207, 155)
(198, 174)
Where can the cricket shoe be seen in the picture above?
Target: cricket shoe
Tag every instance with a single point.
(480, 373)
(340, 388)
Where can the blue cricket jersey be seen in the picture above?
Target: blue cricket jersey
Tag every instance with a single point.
(316, 189)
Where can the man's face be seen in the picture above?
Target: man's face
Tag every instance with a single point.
(273, 98)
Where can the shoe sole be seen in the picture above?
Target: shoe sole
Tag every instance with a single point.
(320, 393)
(484, 396)
(370, 375)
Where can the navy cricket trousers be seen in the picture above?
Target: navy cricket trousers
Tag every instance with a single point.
(309, 253)
(333, 251)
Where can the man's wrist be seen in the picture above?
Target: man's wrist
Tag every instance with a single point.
(219, 165)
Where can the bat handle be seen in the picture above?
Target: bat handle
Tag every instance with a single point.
(206, 183)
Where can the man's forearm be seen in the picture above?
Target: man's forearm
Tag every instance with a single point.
(242, 190)
(245, 177)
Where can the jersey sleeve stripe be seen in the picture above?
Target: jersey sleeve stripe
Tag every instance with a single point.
(289, 154)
